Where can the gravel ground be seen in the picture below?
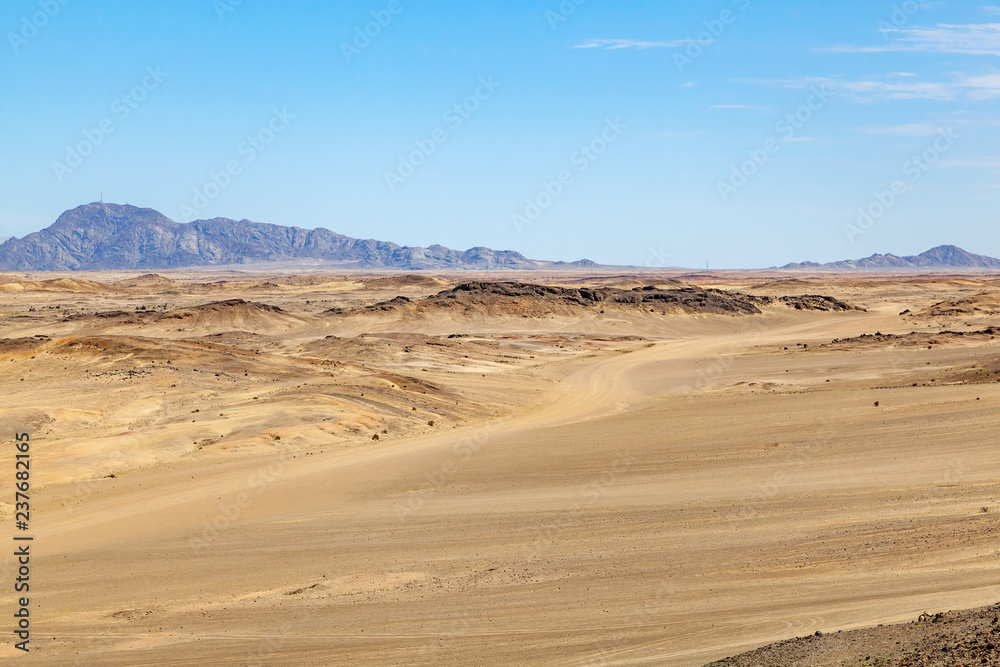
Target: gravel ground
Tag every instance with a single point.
(954, 638)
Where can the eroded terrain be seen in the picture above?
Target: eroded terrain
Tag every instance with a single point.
(555, 470)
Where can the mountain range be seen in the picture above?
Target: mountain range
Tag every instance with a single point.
(939, 258)
(103, 236)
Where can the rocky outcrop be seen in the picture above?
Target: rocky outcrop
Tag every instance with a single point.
(528, 299)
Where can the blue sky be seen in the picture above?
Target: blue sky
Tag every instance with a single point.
(742, 133)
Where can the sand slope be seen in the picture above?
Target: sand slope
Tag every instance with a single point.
(702, 486)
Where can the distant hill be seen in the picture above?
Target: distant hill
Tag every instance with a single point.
(103, 236)
(942, 257)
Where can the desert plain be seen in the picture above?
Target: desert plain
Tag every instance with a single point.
(251, 468)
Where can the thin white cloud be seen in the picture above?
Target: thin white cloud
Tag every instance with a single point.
(747, 107)
(982, 87)
(614, 44)
(984, 162)
(969, 39)
(898, 91)
(892, 88)
(910, 130)
(865, 90)
(991, 9)
(678, 134)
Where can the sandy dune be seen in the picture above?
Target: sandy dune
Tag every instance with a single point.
(571, 488)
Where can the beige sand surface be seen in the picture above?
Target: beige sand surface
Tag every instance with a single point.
(616, 488)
